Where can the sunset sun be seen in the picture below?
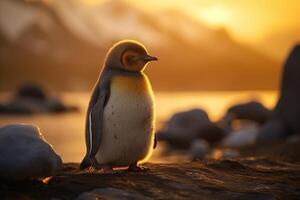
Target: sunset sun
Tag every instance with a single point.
(216, 16)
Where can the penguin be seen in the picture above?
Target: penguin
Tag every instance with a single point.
(120, 119)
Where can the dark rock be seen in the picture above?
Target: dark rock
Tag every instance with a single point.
(57, 106)
(287, 149)
(211, 133)
(288, 107)
(227, 179)
(24, 106)
(274, 129)
(8, 109)
(30, 99)
(32, 91)
(286, 118)
(184, 127)
(253, 111)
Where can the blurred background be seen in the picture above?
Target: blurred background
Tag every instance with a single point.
(212, 55)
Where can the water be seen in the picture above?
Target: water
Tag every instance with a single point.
(66, 131)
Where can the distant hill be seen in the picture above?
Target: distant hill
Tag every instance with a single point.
(62, 45)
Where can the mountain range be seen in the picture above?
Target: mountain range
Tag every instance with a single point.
(61, 44)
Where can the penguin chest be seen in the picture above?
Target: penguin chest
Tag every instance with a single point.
(128, 122)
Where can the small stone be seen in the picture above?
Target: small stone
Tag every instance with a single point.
(199, 149)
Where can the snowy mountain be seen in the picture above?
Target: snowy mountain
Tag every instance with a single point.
(110, 21)
(44, 39)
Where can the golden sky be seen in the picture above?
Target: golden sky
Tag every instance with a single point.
(247, 20)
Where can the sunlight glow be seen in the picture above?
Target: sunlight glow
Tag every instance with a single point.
(250, 21)
(216, 16)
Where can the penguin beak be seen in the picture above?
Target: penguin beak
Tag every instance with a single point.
(149, 58)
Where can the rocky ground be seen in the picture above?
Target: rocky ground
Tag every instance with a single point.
(246, 178)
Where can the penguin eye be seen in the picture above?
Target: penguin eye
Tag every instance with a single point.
(130, 57)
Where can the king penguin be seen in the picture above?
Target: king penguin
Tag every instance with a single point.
(120, 121)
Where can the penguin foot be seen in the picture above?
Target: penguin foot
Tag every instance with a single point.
(135, 168)
(106, 169)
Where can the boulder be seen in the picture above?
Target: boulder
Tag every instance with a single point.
(286, 115)
(32, 91)
(185, 127)
(31, 99)
(253, 111)
(242, 137)
(274, 129)
(25, 154)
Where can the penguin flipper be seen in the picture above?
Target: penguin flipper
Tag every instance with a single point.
(155, 141)
(85, 163)
(96, 124)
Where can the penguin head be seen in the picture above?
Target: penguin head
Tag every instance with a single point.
(128, 55)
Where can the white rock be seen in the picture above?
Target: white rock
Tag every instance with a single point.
(243, 137)
(25, 154)
(199, 149)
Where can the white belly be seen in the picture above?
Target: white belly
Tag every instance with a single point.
(128, 123)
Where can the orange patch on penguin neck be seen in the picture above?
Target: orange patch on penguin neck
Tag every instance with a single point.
(133, 84)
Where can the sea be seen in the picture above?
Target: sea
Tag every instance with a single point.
(65, 132)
